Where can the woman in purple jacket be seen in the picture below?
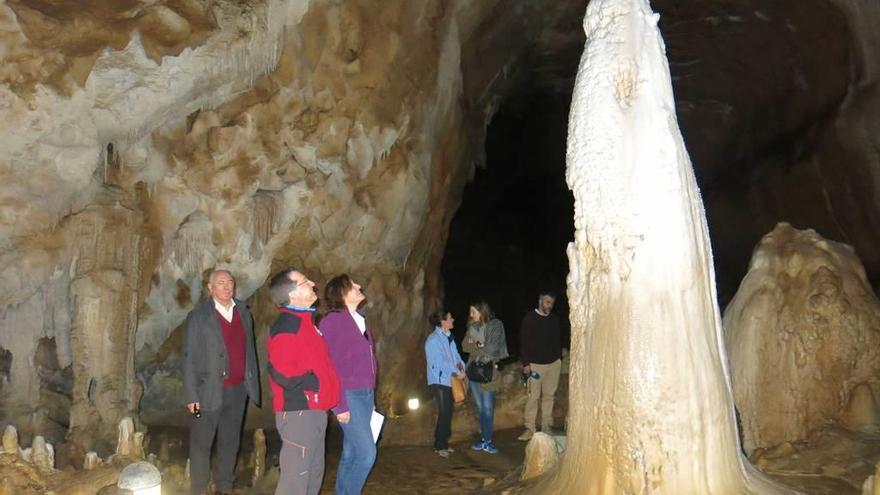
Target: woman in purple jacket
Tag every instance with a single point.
(351, 349)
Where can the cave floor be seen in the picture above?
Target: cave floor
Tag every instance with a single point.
(833, 461)
(400, 469)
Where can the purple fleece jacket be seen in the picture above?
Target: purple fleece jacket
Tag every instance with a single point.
(351, 351)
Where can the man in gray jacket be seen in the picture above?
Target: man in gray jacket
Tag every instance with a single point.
(219, 374)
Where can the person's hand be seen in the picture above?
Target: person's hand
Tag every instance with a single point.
(344, 418)
(192, 407)
(527, 369)
(460, 367)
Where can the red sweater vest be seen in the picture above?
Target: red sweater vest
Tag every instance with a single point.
(233, 336)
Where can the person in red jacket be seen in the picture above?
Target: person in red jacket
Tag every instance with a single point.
(303, 381)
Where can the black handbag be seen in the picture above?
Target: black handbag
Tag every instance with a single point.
(480, 372)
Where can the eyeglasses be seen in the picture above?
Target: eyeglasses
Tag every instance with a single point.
(297, 284)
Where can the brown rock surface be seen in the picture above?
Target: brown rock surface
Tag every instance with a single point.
(803, 339)
(247, 135)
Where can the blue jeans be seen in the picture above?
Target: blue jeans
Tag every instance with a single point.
(358, 448)
(485, 409)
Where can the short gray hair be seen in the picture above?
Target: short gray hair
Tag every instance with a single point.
(280, 286)
(216, 271)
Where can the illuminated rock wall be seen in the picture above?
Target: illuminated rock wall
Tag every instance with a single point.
(147, 142)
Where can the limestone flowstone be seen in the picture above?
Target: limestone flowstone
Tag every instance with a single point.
(803, 337)
(651, 409)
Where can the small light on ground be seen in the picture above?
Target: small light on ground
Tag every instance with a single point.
(413, 404)
(141, 478)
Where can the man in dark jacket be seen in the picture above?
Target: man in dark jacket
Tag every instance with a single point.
(303, 381)
(220, 372)
(541, 356)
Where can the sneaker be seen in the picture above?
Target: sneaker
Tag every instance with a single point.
(450, 450)
(490, 448)
(480, 445)
(526, 435)
(442, 452)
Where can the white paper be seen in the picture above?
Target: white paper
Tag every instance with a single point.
(376, 421)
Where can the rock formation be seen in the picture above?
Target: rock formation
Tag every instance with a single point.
(258, 456)
(159, 140)
(651, 406)
(10, 441)
(803, 339)
(542, 454)
(31, 471)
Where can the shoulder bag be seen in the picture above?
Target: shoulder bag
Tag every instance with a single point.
(480, 372)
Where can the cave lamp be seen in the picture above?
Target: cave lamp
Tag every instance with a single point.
(140, 478)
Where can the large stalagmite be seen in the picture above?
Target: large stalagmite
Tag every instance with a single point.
(651, 407)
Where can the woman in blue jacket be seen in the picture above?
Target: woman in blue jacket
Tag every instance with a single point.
(444, 362)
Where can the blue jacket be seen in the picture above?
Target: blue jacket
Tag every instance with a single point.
(442, 356)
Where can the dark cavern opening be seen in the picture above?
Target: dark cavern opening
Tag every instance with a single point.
(507, 239)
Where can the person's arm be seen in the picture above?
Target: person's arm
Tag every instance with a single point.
(191, 347)
(286, 364)
(525, 332)
(469, 345)
(303, 382)
(459, 363)
(496, 341)
(251, 352)
(340, 353)
(432, 357)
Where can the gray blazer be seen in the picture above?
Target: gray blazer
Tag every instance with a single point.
(204, 357)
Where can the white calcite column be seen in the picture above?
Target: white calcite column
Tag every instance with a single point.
(651, 409)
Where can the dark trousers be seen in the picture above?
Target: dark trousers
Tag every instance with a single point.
(224, 424)
(302, 451)
(443, 395)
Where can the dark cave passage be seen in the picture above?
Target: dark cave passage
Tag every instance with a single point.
(507, 240)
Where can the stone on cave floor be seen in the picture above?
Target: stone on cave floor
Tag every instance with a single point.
(542, 454)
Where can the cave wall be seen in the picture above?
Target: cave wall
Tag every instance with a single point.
(148, 142)
(777, 105)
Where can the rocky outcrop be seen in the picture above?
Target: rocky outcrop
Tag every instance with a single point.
(803, 339)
